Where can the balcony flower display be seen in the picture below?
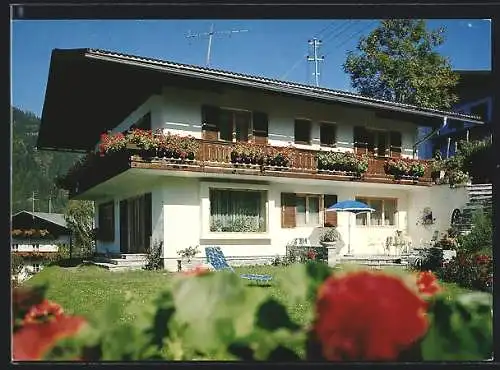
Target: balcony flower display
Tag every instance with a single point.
(112, 143)
(279, 157)
(145, 141)
(32, 233)
(404, 168)
(247, 153)
(176, 147)
(342, 162)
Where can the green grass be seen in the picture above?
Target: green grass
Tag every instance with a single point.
(85, 290)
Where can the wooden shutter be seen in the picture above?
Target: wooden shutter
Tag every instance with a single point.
(288, 201)
(395, 142)
(330, 217)
(260, 127)
(210, 120)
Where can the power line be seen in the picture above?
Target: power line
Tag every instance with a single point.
(318, 34)
(210, 35)
(350, 37)
(340, 30)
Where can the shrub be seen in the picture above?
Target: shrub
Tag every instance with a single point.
(188, 253)
(331, 235)
(154, 259)
(481, 236)
(472, 271)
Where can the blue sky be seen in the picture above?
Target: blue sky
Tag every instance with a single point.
(271, 48)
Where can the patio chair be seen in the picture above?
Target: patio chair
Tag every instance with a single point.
(217, 259)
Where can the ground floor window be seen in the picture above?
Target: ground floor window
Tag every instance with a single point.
(36, 267)
(15, 247)
(233, 210)
(307, 210)
(135, 224)
(384, 215)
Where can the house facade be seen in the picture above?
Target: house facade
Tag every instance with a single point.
(36, 236)
(250, 210)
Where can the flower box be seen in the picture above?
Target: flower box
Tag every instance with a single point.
(342, 163)
(404, 169)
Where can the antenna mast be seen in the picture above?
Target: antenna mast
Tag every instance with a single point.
(315, 43)
(210, 35)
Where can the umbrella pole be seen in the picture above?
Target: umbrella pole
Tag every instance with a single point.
(349, 232)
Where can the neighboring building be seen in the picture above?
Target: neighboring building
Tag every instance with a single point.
(475, 92)
(140, 202)
(36, 236)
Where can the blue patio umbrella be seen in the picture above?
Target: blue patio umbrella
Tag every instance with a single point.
(352, 206)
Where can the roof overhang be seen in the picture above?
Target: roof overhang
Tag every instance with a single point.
(91, 91)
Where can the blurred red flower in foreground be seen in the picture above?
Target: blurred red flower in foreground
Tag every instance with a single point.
(33, 340)
(42, 312)
(427, 283)
(367, 316)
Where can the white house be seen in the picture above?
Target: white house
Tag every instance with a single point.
(35, 236)
(138, 201)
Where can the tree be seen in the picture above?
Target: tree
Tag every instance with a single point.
(79, 216)
(16, 266)
(397, 62)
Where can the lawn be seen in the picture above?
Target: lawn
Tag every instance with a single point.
(85, 290)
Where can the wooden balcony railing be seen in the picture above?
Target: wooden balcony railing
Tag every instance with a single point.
(215, 157)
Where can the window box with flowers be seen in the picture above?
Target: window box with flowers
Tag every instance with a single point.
(247, 154)
(145, 142)
(176, 147)
(32, 233)
(278, 158)
(401, 169)
(112, 143)
(342, 163)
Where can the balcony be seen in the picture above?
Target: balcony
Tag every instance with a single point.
(215, 157)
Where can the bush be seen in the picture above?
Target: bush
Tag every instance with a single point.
(154, 259)
(481, 236)
(469, 271)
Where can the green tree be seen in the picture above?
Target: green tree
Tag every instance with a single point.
(16, 266)
(397, 62)
(79, 216)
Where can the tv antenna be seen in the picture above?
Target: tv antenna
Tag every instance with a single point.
(210, 35)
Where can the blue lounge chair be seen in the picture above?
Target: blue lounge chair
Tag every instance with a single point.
(217, 259)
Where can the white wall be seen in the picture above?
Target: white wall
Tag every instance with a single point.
(181, 114)
(442, 200)
(24, 245)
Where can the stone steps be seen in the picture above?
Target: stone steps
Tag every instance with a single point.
(117, 262)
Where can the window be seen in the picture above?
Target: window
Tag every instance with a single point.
(106, 221)
(300, 210)
(234, 125)
(36, 267)
(234, 210)
(377, 142)
(302, 131)
(327, 134)
(384, 215)
(15, 247)
(36, 247)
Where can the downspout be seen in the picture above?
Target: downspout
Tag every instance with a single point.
(445, 123)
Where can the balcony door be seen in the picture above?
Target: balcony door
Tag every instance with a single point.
(234, 125)
(135, 224)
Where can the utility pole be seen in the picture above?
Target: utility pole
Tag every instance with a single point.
(315, 43)
(33, 198)
(210, 35)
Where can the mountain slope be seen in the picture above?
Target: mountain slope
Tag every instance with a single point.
(35, 171)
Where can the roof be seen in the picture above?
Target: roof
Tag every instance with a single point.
(55, 218)
(81, 82)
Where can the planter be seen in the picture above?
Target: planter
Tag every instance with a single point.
(147, 154)
(333, 249)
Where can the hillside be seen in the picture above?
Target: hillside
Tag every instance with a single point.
(35, 171)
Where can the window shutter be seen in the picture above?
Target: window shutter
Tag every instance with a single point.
(395, 141)
(330, 217)
(260, 127)
(288, 210)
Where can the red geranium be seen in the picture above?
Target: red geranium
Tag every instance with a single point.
(43, 312)
(33, 340)
(427, 283)
(367, 316)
